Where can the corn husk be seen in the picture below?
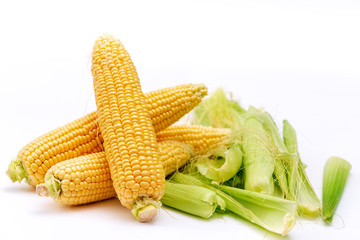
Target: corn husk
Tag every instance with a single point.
(300, 187)
(272, 213)
(223, 166)
(194, 200)
(336, 172)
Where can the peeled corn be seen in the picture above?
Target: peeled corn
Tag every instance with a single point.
(129, 137)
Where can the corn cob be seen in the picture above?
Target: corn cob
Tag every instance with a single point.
(200, 137)
(129, 137)
(83, 136)
(87, 179)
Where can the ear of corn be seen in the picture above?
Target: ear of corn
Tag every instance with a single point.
(129, 137)
(336, 172)
(201, 138)
(83, 136)
(74, 139)
(87, 179)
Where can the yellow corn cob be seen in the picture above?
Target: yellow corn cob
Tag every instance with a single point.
(129, 137)
(83, 136)
(87, 179)
(200, 137)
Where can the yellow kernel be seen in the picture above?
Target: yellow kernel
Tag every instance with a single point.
(61, 174)
(146, 179)
(41, 170)
(65, 182)
(66, 194)
(138, 179)
(145, 185)
(145, 173)
(34, 167)
(72, 176)
(153, 184)
(129, 178)
(34, 155)
(51, 162)
(64, 188)
(46, 155)
(127, 193)
(142, 190)
(150, 191)
(67, 176)
(130, 184)
(135, 187)
(127, 173)
(136, 173)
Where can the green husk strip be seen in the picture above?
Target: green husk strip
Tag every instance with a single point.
(273, 211)
(299, 185)
(336, 171)
(191, 199)
(273, 214)
(258, 162)
(223, 166)
(218, 111)
(16, 171)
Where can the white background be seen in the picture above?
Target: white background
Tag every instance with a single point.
(300, 60)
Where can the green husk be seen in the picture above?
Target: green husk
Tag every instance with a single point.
(276, 147)
(218, 111)
(16, 171)
(254, 128)
(191, 199)
(274, 214)
(223, 166)
(268, 157)
(258, 162)
(335, 175)
(299, 185)
(51, 187)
